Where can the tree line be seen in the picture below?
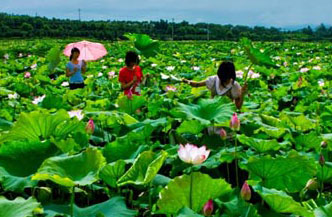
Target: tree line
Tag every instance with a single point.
(23, 26)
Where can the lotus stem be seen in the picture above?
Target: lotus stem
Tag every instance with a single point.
(236, 166)
(72, 199)
(191, 190)
(322, 181)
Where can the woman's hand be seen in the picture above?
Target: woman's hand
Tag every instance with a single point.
(244, 89)
(134, 79)
(75, 69)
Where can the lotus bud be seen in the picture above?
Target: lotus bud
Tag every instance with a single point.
(245, 191)
(27, 75)
(312, 184)
(321, 160)
(235, 123)
(323, 144)
(90, 127)
(208, 208)
(223, 134)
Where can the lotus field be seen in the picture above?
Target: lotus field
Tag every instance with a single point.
(174, 150)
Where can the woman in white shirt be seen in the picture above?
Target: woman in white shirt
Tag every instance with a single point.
(223, 84)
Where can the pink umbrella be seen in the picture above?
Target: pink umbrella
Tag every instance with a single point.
(88, 50)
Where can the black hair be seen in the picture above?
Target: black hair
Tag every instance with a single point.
(75, 49)
(226, 71)
(132, 57)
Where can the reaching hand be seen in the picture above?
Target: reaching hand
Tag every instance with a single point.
(75, 69)
(134, 79)
(244, 89)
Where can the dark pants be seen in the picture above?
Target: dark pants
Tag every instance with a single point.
(75, 86)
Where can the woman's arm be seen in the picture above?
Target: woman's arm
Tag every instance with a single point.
(83, 67)
(69, 73)
(239, 101)
(129, 84)
(194, 84)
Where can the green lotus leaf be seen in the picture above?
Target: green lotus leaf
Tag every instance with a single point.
(18, 207)
(209, 110)
(115, 207)
(301, 122)
(192, 126)
(325, 174)
(37, 126)
(325, 211)
(144, 44)
(259, 145)
(144, 169)
(239, 208)
(81, 169)
(280, 202)
(308, 141)
(112, 172)
(289, 173)
(126, 147)
(185, 212)
(20, 160)
(130, 105)
(176, 194)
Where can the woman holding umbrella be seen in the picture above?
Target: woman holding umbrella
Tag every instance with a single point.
(74, 69)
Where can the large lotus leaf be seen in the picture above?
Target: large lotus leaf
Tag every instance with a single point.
(185, 212)
(53, 58)
(325, 174)
(130, 105)
(274, 132)
(192, 126)
(259, 145)
(325, 211)
(115, 207)
(125, 147)
(80, 169)
(239, 208)
(301, 122)
(308, 141)
(18, 207)
(144, 169)
(270, 120)
(112, 172)
(5, 125)
(254, 54)
(209, 110)
(280, 202)
(144, 44)
(20, 160)
(176, 194)
(289, 173)
(35, 126)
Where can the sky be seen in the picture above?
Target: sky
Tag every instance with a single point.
(278, 13)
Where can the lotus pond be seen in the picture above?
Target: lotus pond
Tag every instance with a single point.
(94, 152)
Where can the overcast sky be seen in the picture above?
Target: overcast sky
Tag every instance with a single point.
(279, 13)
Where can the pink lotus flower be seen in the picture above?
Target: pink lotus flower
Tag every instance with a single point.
(38, 99)
(27, 75)
(223, 134)
(34, 66)
(170, 88)
(303, 70)
(208, 208)
(239, 74)
(76, 113)
(90, 127)
(235, 123)
(245, 191)
(192, 154)
(111, 74)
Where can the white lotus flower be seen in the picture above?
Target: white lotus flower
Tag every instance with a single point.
(192, 154)
(76, 113)
(20, 55)
(104, 67)
(252, 74)
(34, 66)
(316, 68)
(38, 99)
(100, 74)
(170, 88)
(317, 58)
(120, 60)
(298, 53)
(239, 74)
(295, 63)
(111, 74)
(153, 65)
(65, 84)
(6, 56)
(321, 83)
(304, 70)
(277, 58)
(170, 68)
(195, 68)
(285, 64)
(13, 96)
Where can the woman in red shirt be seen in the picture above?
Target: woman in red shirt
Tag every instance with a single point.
(131, 75)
